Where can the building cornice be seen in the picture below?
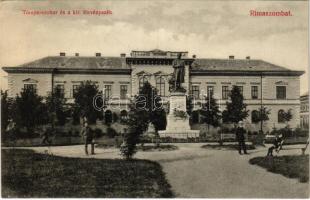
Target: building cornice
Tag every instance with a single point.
(66, 71)
(245, 73)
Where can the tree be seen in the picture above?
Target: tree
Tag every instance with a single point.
(235, 109)
(5, 112)
(84, 101)
(146, 108)
(287, 116)
(260, 116)
(56, 106)
(29, 110)
(210, 112)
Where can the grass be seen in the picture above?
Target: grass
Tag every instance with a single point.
(294, 166)
(226, 146)
(28, 174)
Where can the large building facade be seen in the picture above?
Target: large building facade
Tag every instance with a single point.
(261, 83)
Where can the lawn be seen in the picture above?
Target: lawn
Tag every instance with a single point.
(295, 166)
(29, 174)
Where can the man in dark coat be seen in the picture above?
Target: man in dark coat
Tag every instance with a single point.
(87, 134)
(240, 138)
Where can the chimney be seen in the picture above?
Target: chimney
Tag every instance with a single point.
(62, 54)
(248, 57)
(77, 54)
(231, 57)
(98, 54)
(194, 56)
(123, 55)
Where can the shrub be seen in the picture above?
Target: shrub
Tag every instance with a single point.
(286, 132)
(76, 133)
(98, 133)
(111, 133)
(300, 132)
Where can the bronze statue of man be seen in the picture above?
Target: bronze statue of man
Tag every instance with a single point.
(179, 72)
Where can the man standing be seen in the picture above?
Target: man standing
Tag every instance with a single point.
(240, 137)
(88, 137)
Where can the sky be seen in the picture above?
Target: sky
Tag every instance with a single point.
(208, 29)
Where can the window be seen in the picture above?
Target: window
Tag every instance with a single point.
(240, 89)
(142, 80)
(107, 91)
(210, 90)
(281, 116)
(225, 92)
(281, 92)
(160, 86)
(195, 91)
(30, 87)
(75, 89)
(124, 115)
(60, 89)
(254, 92)
(124, 89)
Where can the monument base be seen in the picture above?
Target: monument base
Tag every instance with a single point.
(178, 119)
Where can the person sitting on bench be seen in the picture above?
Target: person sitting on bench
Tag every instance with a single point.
(277, 145)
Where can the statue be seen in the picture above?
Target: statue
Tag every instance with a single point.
(178, 74)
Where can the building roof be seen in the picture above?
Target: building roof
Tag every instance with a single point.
(98, 64)
(235, 64)
(76, 62)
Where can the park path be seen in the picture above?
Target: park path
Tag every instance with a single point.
(196, 172)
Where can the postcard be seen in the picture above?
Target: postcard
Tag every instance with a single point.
(154, 99)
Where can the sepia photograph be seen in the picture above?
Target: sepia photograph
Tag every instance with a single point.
(154, 99)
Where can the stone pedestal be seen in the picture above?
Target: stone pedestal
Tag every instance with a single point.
(178, 119)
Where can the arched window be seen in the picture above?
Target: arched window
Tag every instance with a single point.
(108, 116)
(142, 80)
(255, 116)
(124, 115)
(160, 86)
(281, 116)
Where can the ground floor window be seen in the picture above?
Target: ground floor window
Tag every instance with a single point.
(281, 116)
(124, 115)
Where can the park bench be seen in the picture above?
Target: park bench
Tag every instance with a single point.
(305, 148)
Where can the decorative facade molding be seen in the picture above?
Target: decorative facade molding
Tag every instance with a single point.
(245, 73)
(281, 83)
(30, 80)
